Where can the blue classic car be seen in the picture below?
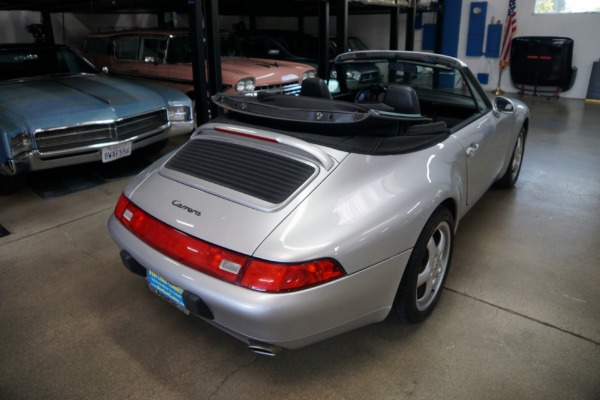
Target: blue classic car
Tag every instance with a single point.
(56, 109)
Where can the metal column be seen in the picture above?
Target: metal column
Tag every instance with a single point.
(394, 26)
(411, 16)
(198, 61)
(213, 47)
(439, 27)
(47, 27)
(323, 39)
(341, 28)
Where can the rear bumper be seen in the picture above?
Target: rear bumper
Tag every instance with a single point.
(288, 320)
(35, 160)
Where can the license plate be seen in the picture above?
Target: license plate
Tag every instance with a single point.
(112, 153)
(166, 290)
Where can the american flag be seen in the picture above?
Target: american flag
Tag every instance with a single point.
(511, 28)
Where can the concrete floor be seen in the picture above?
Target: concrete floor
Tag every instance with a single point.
(519, 319)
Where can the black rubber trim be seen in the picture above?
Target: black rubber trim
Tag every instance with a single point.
(132, 265)
(196, 306)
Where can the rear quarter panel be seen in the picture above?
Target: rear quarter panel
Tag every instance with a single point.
(371, 208)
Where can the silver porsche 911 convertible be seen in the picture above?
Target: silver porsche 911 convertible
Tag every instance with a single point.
(292, 219)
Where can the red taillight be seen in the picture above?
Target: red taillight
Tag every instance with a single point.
(182, 247)
(121, 205)
(222, 263)
(273, 277)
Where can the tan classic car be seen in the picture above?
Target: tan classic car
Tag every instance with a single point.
(165, 57)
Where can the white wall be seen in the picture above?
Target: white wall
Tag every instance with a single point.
(13, 25)
(69, 29)
(584, 29)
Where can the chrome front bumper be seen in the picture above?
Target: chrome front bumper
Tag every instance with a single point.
(36, 160)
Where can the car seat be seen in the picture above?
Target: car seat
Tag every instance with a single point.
(403, 99)
(315, 87)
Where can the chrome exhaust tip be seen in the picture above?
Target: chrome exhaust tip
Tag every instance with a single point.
(264, 349)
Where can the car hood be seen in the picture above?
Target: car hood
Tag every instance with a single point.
(265, 72)
(243, 193)
(66, 101)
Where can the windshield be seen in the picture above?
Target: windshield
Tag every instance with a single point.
(16, 63)
(180, 48)
(423, 77)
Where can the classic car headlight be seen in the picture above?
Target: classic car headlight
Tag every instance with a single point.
(308, 74)
(179, 113)
(20, 144)
(245, 85)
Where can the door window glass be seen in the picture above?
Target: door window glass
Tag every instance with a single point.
(127, 49)
(153, 50)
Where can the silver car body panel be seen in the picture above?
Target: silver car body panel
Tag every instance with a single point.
(280, 319)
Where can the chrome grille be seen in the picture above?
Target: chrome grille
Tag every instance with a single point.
(130, 127)
(68, 138)
(286, 88)
(88, 135)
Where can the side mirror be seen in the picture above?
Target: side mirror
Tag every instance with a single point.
(503, 105)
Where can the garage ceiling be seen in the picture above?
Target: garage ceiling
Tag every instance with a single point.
(226, 7)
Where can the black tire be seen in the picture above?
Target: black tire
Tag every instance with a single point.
(510, 177)
(427, 268)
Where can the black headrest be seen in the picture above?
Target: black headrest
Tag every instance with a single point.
(403, 99)
(315, 87)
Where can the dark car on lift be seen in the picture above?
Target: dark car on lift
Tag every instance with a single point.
(280, 44)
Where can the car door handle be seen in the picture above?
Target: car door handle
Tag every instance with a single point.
(471, 150)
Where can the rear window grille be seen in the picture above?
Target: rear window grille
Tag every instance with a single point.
(261, 174)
